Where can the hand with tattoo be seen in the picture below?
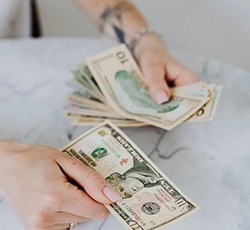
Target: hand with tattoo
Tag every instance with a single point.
(121, 22)
(160, 69)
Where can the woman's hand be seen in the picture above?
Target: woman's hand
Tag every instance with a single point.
(49, 189)
(160, 69)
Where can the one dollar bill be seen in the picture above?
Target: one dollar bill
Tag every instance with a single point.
(150, 199)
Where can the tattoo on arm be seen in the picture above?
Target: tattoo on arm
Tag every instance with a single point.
(111, 22)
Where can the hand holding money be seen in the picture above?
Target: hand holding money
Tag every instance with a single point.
(150, 200)
(45, 187)
(50, 189)
(159, 68)
(113, 88)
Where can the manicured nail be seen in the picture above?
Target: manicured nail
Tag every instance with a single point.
(161, 97)
(111, 194)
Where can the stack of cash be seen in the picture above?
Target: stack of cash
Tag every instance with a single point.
(112, 88)
(150, 200)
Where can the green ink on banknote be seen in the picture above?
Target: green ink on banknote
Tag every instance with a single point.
(102, 133)
(99, 153)
(126, 84)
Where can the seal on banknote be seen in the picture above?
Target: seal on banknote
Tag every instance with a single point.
(150, 208)
(99, 153)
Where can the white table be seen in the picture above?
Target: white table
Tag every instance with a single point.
(209, 161)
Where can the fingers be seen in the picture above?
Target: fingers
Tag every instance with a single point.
(156, 82)
(65, 218)
(79, 203)
(57, 227)
(185, 77)
(158, 68)
(53, 220)
(179, 74)
(62, 221)
(66, 204)
(92, 182)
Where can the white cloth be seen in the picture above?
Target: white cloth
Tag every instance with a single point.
(14, 18)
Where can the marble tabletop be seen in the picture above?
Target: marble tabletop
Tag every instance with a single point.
(209, 161)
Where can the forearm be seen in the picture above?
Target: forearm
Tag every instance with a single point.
(3, 164)
(121, 21)
(8, 153)
(117, 19)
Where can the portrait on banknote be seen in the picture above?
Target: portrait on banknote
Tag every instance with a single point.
(135, 98)
(133, 180)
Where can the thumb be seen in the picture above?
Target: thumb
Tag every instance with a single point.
(155, 80)
(91, 181)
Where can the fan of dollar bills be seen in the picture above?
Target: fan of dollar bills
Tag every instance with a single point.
(112, 88)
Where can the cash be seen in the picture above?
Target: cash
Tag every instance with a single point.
(150, 200)
(112, 87)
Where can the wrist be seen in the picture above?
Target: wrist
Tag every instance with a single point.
(8, 150)
(3, 166)
(148, 43)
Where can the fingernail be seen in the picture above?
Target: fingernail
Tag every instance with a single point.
(161, 97)
(111, 194)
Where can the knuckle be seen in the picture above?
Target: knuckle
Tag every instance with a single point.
(47, 148)
(154, 65)
(37, 221)
(83, 220)
(154, 77)
(51, 199)
(94, 176)
(102, 214)
(68, 160)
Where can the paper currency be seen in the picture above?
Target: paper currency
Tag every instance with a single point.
(150, 199)
(113, 87)
(80, 120)
(206, 112)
